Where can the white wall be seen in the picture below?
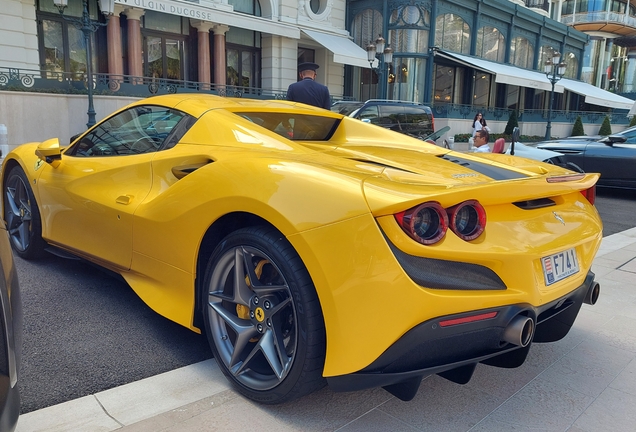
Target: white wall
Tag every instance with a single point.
(18, 34)
(39, 116)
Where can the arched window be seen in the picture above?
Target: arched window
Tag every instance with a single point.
(367, 25)
(572, 65)
(491, 44)
(545, 53)
(452, 33)
(521, 52)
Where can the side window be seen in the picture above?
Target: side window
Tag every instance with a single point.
(630, 137)
(142, 129)
(392, 116)
(369, 114)
(418, 120)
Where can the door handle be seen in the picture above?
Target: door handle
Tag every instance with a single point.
(124, 199)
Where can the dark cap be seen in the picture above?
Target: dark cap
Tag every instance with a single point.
(307, 66)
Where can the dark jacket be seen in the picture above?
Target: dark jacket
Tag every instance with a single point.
(309, 92)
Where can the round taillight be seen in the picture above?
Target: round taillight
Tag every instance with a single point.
(467, 220)
(426, 223)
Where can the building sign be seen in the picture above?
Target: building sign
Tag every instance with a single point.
(186, 9)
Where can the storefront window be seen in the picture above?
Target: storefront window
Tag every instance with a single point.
(243, 57)
(452, 33)
(447, 86)
(406, 79)
(163, 57)
(481, 89)
(491, 44)
(62, 46)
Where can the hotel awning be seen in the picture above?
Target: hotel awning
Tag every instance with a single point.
(597, 96)
(513, 75)
(344, 50)
(505, 74)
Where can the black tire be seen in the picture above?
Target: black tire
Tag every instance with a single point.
(573, 167)
(22, 216)
(262, 317)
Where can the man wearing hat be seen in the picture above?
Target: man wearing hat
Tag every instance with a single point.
(307, 90)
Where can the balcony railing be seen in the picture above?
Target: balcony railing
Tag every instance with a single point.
(591, 17)
(455, 111)
(120, 85)
(124, 85)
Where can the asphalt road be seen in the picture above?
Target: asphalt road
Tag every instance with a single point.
(85, 331)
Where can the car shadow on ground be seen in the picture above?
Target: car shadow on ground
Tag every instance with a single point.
(86, 331)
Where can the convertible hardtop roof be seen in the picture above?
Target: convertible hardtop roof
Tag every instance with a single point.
(196, 104)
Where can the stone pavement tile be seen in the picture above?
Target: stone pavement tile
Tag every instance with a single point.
(615, 296)
(629, 266)
(589, 368)
(503, 383)
(231, 415)
(600, 271)
(83, 414)
(176, 417)
(377, 421)
(327, 410)
(540, 406)
(613, 243)
(626, 380)
(620, 256)
(627, 278)
(227, 411)
(602, 262)
(441, 405)
(590, 319)
(145, 398)
(620, 332)
(612, 411)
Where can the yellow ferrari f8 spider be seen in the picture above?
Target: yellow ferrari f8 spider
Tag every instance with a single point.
(313, 248)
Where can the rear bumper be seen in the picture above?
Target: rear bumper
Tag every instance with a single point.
(439, 347)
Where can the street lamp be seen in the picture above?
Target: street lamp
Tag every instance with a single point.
(554, 71)
(88, 27)
(373, 53)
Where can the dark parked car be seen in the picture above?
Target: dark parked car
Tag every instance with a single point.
(410, 118)
(613, 156)
(10, 336)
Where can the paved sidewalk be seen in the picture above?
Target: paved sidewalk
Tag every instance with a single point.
(585, 382)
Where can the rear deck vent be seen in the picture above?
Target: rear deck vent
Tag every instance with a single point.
(535, 203)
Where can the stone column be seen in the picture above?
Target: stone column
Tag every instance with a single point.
(135, 60)
(220, 64)
(203, 29)
(113, 33)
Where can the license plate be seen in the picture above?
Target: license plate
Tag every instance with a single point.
(559, 266)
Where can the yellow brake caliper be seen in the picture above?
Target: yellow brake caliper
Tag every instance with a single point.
(242, 311)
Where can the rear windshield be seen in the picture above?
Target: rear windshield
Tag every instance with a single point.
(295, 126)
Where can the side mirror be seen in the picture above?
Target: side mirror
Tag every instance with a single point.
(612, 139)
(515, 138)
(49, 151)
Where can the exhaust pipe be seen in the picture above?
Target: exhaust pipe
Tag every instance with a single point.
(592, 294)
(520, 331)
